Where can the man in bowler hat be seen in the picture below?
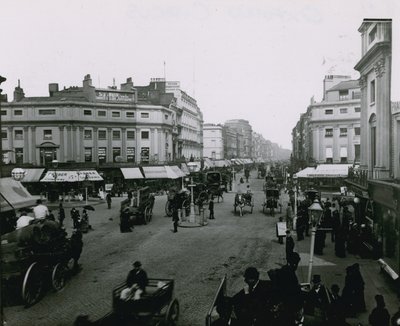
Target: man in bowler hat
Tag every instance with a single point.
(136, 282)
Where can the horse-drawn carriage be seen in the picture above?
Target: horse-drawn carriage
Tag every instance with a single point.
(182, 200)
(35, 257)
(271, 202)
(243, 199)
(214, 184)
(139, 206)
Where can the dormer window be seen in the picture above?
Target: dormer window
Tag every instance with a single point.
(344, 95)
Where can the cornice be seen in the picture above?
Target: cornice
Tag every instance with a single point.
(375, 50)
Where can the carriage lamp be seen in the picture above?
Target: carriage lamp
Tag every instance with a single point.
(18, 174)
(315, 212)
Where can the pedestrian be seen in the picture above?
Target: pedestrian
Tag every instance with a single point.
(317, 299)
(125, 224)
(108, 199)
(319, 242)
(289, 217)
(335, 222)
(340, 243)
(289, 245)
(75, 216)
(211, 208)
(300, 227)
(293, 260)
(280, 232)
(51, 216)
(335, 314)
(136, 282)
(40, 211)
(379, 315)
(353, 291)
(61, 214)
(76, 244)
(175, 214)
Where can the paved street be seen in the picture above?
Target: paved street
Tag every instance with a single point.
(197, 258)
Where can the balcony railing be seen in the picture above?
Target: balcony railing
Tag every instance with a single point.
(358, 176)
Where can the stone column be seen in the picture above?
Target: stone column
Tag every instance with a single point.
(62, 144)
(74, 142)
(11, 144)
(33, 146)
(336, 144)
(95, 151)
(79, 143)
(109, 145)
(364, 125)
(69, 155)
(123, 144)
(350, 143)
(383, 114)
(152, 143)
(26, 145)
(160, 150)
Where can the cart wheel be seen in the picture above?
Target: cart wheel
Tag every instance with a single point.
(148, 214)
(58, 277)
(171, 317)
(32, 285)
(168, 209)
(203, 197)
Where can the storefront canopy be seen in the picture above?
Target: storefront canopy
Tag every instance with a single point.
(32, 175)
(71, 176)
(14, 195)
(331, 171)
(178, 171)
(185, 168)
(132, 173)
(305, 173)
(208, 163)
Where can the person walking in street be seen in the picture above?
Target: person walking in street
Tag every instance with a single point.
(211, 208)
(76, 244)
(175, 213)
(353, 291)
(289, 245)
(379, 315)
(75, 216)
(40, 211)
(289, 217)
(61, 214)
(51, 216)
(335, 314)
(108, 200)
(335, 222)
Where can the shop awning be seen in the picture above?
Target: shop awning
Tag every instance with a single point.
(155, 172)
(14, 195)
(132, 173)
(305, 173)
(331, 171)
(178, 171)
(185, 168)
(71, 176)
(220, 163)
(32, 175)
(208, 163)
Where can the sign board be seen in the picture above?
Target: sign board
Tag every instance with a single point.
(145, 154)
(114, 96)
(108, 186)
(281, 229)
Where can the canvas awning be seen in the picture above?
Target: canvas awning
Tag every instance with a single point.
(331, 171)
(208, 163)
(155, 172)
(71, 176)
(305, 173)
(221, 163)
(14, 195)
(132, 173)
(32, 175)
(178, 171)
(185, 168)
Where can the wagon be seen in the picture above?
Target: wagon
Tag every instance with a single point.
(242, 200)
(183, 202)
(271, 202)
(33, 258)
(214, 185)
(157, 306)
(140, 206)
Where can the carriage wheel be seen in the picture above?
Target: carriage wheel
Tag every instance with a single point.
(204, 197)
(32, 285)
(147, 214)
(172, 314)
(168, 209)
(58, 277)
(234, 208)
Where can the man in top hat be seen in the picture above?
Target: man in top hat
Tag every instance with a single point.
(318, 298)
(136, 282)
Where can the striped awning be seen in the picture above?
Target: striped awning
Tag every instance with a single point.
(132, 173)
(71, 176)
(178, 171)
(14, 195)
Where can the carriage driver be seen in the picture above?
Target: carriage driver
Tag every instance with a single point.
(136, 283)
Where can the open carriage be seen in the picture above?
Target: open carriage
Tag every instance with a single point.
(34, 258)
(271, 203)
(242, 200)
(140, 206)
(157, 306)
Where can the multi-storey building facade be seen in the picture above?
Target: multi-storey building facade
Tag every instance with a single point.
(335, 125)
(86, 125)
(213, 141)
(242, 127)
(230, 137)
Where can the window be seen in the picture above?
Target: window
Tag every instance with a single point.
(144, 115)
(4, 134)
(343, 111)
(116, 114)
(102, 134)
(88, 154)
(372, 91)
(87, 134)
(47, 112)
(130, 134)
(343, 132)
(19, 155)
(357, 109)
(130, 154)
(343, 154)
(116, 153)
(17, 112)
(87, 112)
(328, 155)
(47, 134)
(344, 95)
(145, 135)
(18, 134)
(101, 113)
(357, 153)
(328, 111)
(145, 154)
(116, 134)
(372, 35)
(130, 114)
(329, 132)
(166, 117)
(3, 112)
(357, 131)
(102, 154)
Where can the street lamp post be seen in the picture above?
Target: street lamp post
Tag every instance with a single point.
(315, 211)
(233, 180)
(192, 216)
